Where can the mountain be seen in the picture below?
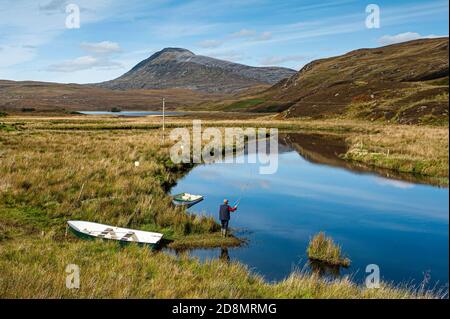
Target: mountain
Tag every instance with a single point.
(180, 68)
(402, 83)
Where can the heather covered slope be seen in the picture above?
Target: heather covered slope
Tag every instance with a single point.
(53, 97)
(180, 68)
(402, 83)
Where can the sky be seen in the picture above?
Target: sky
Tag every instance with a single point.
(41, 40)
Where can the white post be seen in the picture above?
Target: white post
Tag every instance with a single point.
(164, 117)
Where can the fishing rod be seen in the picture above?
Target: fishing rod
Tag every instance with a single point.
(236, 204)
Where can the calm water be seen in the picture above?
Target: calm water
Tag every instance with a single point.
(129, 113)
(400, 226)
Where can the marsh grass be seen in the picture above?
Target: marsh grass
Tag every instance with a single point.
(55, 176)
(55, 169)
(408, 149)
(324, 249)
(35, 268)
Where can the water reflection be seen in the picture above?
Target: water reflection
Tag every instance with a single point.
(328, 150)
(324, 270)
(398, 224)
(224, 256)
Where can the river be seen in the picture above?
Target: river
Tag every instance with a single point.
(399, 223)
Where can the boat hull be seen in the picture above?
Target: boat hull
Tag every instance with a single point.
(84, 236)
(186, 203)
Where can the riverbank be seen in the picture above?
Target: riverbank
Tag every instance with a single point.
(56, 176)
(35, 268)
(83, 168)
(420, 151)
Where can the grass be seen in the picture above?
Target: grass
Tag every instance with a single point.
(199, 241)
(409, 149)
(244, 104)
(421, 103)
(322, 248)
(36, 269)
(60, 168)
(91, 176)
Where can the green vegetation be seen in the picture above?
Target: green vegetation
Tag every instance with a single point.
(421, 103)
(28, 109)
(404, 83)
(3, 114)
(55, 176)
(323, 249)
(36, 269)
(116, 109)
(56, 169)
(408, 149)
(442, 81)
(7, 127)
(244, 104)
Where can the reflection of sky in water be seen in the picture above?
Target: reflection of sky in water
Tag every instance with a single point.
(400, 226)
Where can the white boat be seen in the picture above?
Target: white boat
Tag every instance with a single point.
(186, 199)
(89, 230)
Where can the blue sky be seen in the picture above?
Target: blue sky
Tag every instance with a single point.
(114, 35)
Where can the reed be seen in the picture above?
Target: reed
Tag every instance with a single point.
(58, 176)
(324, 249)
(35, 268)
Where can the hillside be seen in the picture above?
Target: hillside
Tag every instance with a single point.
(53, 97)
(403, 83)
(180, 68)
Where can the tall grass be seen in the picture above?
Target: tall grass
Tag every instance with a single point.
(35, 268)
(91, 176)
(323, 249)
(408, 149)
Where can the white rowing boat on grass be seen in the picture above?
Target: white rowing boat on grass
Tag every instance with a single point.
(89, 230)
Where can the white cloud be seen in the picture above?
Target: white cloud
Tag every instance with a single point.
(229, 55)
(27, 25)
(176, 30)
(264, 36)
(84, 63)
(393, 183)
(210, 44)
(251, 34)
(15, 54)
(244, 33)
(403, 37)
(276, 60)
(53, 5)
(105, 47)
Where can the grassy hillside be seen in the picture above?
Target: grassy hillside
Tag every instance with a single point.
(38, 97)
(404, 83)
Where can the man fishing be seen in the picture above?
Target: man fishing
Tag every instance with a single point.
(224, 215)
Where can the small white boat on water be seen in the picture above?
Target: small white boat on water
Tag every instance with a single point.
(89, 230)
(186, 199)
